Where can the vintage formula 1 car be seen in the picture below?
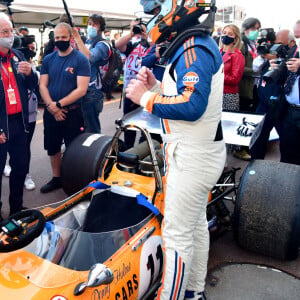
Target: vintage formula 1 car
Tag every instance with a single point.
(104, 241)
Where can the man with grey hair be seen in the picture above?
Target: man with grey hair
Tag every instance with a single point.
(65, 76)
(17, 77)
(268, 91)
(290, 121)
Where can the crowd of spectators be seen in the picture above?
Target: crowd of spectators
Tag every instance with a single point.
(245, 87)
(188, 100)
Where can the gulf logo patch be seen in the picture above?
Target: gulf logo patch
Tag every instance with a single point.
(190, 79)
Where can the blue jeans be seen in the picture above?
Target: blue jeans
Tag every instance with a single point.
(92, 105)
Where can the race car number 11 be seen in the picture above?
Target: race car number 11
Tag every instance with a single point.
(151, 263)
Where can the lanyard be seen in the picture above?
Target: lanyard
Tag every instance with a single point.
(6, 73)
(296, 51)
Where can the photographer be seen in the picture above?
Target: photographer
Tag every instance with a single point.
(29, 47)
(152, 61)
(290, 121)
(98, 52)
(134, 46)
(269, 92)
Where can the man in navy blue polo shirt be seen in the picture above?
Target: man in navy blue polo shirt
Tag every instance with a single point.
(64, 81)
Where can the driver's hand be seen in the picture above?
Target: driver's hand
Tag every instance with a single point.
(135, 90)
(146, 77)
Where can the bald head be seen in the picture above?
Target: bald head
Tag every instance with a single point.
(285, 37)
(63, 26)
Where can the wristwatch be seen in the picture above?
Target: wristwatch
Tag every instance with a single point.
(58, 105)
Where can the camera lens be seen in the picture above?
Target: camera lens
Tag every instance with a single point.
(137, 29)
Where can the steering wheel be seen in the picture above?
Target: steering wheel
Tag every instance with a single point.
(21, 229)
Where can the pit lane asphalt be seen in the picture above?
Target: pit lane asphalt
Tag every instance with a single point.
(228, 266)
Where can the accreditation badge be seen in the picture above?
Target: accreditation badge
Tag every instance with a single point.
(11, 96)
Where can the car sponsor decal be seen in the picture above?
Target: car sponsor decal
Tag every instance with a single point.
(190, 79)
(58, 297)
(91, 139)
(151, 263)
(121, 272)
(101, 294)
(128, 290)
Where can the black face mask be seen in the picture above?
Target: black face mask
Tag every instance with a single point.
(62, 45)
(29, 54)
(287, 48)
(227, 40)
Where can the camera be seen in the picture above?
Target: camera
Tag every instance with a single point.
(266, 41)
(274, 75)
(137, 29)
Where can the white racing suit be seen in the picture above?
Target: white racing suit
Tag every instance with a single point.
(195, 155)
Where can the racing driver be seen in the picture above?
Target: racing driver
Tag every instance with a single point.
(189, 104)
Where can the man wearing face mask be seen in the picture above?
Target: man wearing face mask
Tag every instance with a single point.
(247, 85)
(64, 80)
(98, 51)
(17, 77)
(290, 117)
(29, 51)
(269, 93)
(249, 81)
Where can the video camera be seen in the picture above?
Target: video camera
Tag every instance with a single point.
(266, 41)
(281, 52)
(137, 29)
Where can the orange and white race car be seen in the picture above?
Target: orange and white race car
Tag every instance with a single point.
(104, 241)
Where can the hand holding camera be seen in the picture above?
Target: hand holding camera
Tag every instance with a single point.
(139, 27)
(293, 64)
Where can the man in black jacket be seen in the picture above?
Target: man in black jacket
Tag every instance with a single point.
(269, 93)
(17, 77)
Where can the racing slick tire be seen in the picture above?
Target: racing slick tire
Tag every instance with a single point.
(267, 210)
(82, 159)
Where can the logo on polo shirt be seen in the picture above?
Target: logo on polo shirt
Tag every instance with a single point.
(190, 79)
(70, 70)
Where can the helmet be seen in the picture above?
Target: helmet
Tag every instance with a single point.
(150, 6)
(174, 16)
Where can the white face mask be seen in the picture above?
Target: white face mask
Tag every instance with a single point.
(7, 42)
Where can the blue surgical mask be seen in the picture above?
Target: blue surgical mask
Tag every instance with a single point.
(227, 40)
(92, 32)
